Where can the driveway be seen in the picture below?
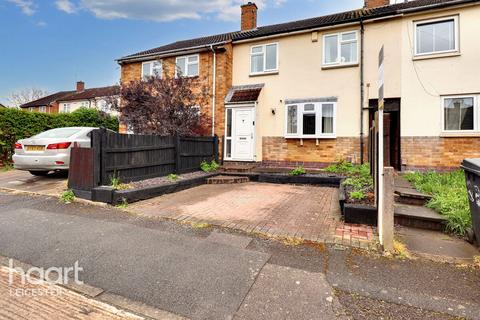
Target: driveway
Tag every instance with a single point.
(286, 211)
(52, 184)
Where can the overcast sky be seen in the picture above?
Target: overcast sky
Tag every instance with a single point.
(52, 44)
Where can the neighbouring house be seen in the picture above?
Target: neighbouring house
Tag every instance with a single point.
(97, 98)
(305, 92)
(68, 101)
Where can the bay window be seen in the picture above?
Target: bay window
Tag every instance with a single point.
(187, 66)
(151, 69)
(459, 113)
(311, 120)
(436, 36)
(340, 48)
(264, 58)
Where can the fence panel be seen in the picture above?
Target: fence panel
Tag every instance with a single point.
(82, 166)
(139, 157)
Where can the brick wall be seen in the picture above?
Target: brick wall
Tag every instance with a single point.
(438, 153)
(278, 151)
(376, 3)
(133, 71)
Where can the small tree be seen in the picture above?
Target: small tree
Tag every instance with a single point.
(31, 94)
(164, 106)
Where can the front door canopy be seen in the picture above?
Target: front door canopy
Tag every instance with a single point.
(243, 94)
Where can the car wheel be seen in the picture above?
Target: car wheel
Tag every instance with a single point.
(39, 173)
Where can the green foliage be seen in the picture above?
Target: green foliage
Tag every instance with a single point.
(209, 167)
(123, 204)
(6, 167)
(298, 171)
(358, 178)
(449, 197)
(67, 196)
(18, 124)
(172, 177)
(349, 169)
(358, 195)
(115, 181)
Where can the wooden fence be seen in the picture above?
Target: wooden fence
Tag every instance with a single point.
(139, 157)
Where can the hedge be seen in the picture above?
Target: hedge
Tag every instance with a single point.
(18, 124)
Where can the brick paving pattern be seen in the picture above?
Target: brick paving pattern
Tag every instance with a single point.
(56, 303)
(274, 210)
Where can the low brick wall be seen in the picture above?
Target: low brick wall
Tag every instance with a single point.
(281, 152)
(438, 153)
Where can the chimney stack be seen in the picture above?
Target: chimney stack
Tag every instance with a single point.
(80, 86)
(249, 16)
(369, 4)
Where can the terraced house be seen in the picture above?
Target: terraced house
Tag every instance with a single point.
(305, 92)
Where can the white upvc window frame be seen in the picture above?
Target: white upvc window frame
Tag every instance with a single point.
(152, 68)
(339, 35)
(428, 21)
(42, 109)
(475, 114)
(318, 110)
(264, 54)
(66, 107)
(187, 65)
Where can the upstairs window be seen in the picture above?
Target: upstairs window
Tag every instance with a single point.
(151, 68)
(187, 66)
(436, 36)
(459, 113)
(340, 48)
(310, 120)
(264, 58)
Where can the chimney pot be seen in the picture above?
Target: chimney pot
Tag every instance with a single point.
(369, 4)
(80, 86)
(249, 16)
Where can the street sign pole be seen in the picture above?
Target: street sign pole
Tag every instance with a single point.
(381, 103)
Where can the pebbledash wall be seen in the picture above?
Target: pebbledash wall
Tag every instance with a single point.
(420, 82)
(224, 56)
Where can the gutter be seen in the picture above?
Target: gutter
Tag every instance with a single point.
(170, 53)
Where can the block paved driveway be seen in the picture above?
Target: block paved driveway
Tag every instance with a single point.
(307, 212)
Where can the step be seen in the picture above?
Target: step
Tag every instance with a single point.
(418, 217)
(227, 180)
(411, 196)
(237, 168)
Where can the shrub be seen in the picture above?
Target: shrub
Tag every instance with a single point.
(449, 197)
(172, 177)
(209, 167)
(18, 124)
(67, 196)
(298, 171)
(358, 178)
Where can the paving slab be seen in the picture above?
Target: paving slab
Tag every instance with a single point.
(181, 274)
(229, 239)
(52, 184)
(437, 244)
(287, 293)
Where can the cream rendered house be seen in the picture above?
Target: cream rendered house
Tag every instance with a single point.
(318, 87)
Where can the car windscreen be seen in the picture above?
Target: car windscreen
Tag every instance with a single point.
(58, 133)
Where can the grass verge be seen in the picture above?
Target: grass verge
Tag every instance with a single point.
(449, 197)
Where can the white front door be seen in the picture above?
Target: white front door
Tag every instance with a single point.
(242, 133)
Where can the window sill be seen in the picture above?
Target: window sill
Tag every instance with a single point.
(339, 66)
(436, 56)
(475, 134)
(269, 73)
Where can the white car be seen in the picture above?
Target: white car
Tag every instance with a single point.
(49, 150)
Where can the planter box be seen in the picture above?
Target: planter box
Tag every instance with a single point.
(311, 179)
(357, 213)
(134, 195)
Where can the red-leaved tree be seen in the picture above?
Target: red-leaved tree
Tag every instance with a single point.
(164, 106)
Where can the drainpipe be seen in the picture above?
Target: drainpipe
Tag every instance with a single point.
(362, 88)
(214, 88)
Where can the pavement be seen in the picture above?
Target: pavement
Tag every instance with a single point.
(207, 273)
(19, 300)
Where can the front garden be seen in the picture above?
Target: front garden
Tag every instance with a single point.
(449, 197)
